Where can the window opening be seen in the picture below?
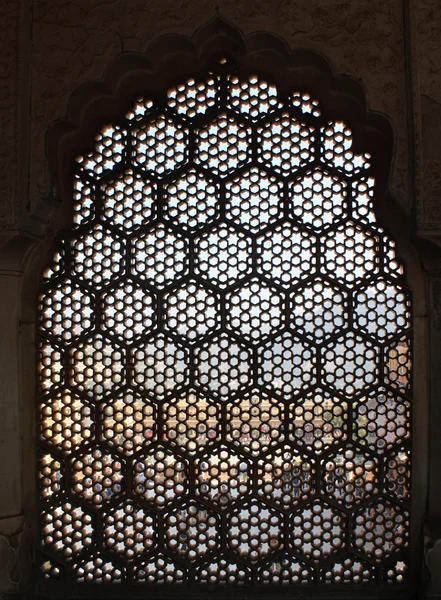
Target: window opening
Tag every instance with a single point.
(224, 383)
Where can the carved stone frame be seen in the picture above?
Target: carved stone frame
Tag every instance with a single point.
(167, 60)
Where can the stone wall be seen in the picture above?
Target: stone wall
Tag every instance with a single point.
(48, 49)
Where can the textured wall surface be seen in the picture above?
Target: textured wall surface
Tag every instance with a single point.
(48, 49)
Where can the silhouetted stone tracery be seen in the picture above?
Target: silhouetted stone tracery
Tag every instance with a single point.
(224, 352)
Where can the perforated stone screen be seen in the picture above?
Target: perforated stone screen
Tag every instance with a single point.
(224, 353)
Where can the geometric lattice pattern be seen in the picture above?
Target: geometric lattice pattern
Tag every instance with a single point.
(224, 353)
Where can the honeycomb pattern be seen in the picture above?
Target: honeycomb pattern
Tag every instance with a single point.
(318, 531)
(255, 311)
(222, 146)
(191, 421)
(254, 422)
(223, 255)
(159, 477)
(254, 200)
(381, 530)
(191, 201)
(192, 311)
(128, 530)
(348, 476)
(159, 256)
(97, 475)
(254, 531)
(285, 144)
(160, 145)
(128, 201)
(97, 257)
(319, 199)
(96, 366)
(222, 477)
(67, 529)
(286, 477)
(159, 366)
(66, 312)
(129, 312)
(224, 354)
(128, 422)
(66, 420)
(382, 309)
(319, 310)
(286, 254)
(192, 531)
(318, 420)
(381, 420)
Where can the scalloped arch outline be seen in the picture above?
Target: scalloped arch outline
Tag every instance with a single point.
(172, 58)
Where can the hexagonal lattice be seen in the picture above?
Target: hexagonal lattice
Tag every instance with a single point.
(66, 529)
(286, 254)
(193, 97)
(286, 477)
(191, 311)
(192, 531)
(97, 257)
(381, 419)
(222, 571)
(398, 474)
(350, 570)
(253, 98)
(319, 310)
(222, 477)
(223, 145)
(350, 364)
(350, 254)
(159, 366)
(223, 255)
(382, 309)
(318, 199)
(159, 477)
(286, 570)
(97, 569)
(128, 311)
(128, 422)
(287, 366)
(84, 207)
(159, 256)
(318, 531)
(128, 530)
(349, 476)
(380, 530)
(397, 360)
(66, 420)
(50, 475)
(255, 422)
(254, 199)
(96, 475)
(50, 366)
(224, 352)
(96, 366)
(223, 366)
(109, 150)
(285, 144)
(128, 200)
(336, 143)
(191, 201)
(254, 311)
(159, 569)
(254, 530)
(318, 420)
(66, 311)
(191, 421)
(160, 145)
